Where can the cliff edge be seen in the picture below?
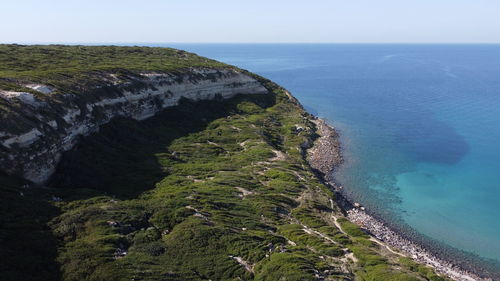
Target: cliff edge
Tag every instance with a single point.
(45, 120)
(165, 165)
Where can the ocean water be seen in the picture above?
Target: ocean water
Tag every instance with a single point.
(419, 124)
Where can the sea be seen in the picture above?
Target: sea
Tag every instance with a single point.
(419, 126)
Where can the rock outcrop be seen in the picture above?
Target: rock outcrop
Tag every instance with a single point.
(45, 124)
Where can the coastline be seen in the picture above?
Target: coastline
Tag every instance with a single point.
(323, 157)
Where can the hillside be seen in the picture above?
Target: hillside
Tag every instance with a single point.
(209, 187)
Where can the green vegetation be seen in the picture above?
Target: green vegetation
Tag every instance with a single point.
(32, 60)
(421, 269)
(214, 190)
(27, 245)
(75, 66)
(351, 229)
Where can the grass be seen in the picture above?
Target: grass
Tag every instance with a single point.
(27, 245)
(63, 66)
(351, 229)
(185, 195)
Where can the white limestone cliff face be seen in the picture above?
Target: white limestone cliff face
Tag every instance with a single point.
(34, 150)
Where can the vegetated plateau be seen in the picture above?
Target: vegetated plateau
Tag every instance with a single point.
(216, 189)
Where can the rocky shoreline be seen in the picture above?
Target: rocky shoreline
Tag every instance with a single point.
(324, 156)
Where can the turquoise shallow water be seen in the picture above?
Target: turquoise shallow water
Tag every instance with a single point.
(420, 127)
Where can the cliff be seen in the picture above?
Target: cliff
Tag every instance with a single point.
(165, 165)
(33, 139)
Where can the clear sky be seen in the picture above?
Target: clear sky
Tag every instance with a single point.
(163, 21)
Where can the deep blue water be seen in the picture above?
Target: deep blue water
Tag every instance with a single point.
(420, 127)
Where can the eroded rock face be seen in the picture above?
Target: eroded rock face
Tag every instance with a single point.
(40, 130)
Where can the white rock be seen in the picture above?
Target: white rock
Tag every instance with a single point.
(37, 164)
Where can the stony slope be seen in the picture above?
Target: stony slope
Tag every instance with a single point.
(216, 189)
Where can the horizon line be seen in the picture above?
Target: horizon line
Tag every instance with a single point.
(247, 43)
